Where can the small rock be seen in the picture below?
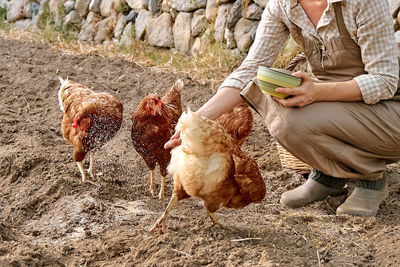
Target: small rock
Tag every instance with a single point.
(66, 249)
(126, 37)
(132, 16)
(35, 9)
(122, 7)
(94, 6)
(82, 7)
(107, 7)
(160, 31)
(261, 3)
(72, 18)
(253, 12)
(211, 10)
(154, 6)
(165, 6)
(91, 206)
(88, 233)
(300, 243)
(198, 23)
(187, 6)
(235, 13)
(141, 23)
(35, 233)
(69, 6)
(220, 22)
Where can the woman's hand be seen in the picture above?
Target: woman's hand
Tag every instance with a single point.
(174, 141)
(300, 96)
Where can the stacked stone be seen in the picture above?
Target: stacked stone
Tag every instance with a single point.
(22, 12)
(394, 6)
(180, 24)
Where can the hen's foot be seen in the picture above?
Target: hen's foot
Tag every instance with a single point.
(90, 171)
(153, 191)
(212, 217)
(159, 226)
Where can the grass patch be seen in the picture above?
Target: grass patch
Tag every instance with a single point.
(55, 34)
(289, 51)
(4, 25)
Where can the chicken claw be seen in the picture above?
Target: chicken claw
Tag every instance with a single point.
(212, 216)
(160, 224)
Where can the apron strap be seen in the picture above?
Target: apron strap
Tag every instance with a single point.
(340, 21)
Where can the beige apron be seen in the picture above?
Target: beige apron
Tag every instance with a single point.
(341, 139)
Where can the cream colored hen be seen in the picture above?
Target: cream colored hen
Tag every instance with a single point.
(210, 166)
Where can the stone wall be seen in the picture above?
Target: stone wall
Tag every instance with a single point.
(180, 24)
(183, 25)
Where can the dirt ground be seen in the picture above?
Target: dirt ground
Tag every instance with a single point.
(47, 218)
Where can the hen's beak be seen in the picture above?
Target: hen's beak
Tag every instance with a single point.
(158, 109)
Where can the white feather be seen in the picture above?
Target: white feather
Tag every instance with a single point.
(179, 84)
(63, 83)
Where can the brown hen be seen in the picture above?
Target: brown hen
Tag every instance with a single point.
(90, 120)
(209, 165)
(237, 123)
(153, 123)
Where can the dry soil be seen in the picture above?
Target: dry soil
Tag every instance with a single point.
(48, 218)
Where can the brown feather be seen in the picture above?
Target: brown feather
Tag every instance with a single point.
(238, 123)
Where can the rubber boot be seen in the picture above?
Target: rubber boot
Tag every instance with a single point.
(309, 192)
(363, 201)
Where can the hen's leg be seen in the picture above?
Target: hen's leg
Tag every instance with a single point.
(82, 170)
(91, 165)
(160, 224)
(152, 186)
(161, 194)
(212, 216)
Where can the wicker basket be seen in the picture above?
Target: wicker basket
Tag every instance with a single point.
(291, 162)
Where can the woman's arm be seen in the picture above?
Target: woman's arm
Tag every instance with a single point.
(224, 100)
(379, 51)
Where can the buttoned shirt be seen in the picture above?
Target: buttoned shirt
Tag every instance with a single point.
(368, 22)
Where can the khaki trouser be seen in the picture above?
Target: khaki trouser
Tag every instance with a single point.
(341, 139)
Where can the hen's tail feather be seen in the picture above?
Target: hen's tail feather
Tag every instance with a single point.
(179, 84)
(63, 83)
(173, 96)
(248, 177)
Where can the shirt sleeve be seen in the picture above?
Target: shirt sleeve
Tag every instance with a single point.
(271, 34)
(379, 52)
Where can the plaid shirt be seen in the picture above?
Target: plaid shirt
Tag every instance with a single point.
(368, 22)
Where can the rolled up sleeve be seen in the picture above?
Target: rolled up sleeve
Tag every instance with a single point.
(379, 52)
(271, 34)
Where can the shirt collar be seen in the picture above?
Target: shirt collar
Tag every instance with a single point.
(294, 3)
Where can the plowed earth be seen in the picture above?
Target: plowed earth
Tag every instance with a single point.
(48, 218)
